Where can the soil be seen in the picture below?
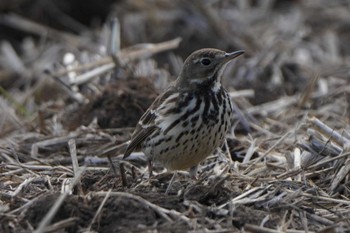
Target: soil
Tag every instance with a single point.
(73, 87)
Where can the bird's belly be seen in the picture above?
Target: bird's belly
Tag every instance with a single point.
(184, 147)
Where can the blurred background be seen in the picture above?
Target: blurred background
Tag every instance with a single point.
(75, 77)
(290, 45)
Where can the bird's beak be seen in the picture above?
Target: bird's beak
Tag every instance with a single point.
(230, 56)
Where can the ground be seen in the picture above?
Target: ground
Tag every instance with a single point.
(74, 81)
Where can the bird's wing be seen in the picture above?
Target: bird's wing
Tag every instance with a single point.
(147, 123)
(141, 133)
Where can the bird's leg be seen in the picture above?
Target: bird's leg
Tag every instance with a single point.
(112, 165)
(122, 175)
(193, 172)
(171, 183)
(150, 168)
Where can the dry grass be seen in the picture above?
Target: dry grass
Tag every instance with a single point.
(69, 103)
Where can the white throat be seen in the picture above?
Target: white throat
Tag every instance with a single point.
(216, 87)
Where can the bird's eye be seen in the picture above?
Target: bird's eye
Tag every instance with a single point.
(205, 61)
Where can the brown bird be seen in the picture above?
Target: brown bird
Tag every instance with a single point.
(187, 122)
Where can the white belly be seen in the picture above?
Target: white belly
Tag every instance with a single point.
(186, 145)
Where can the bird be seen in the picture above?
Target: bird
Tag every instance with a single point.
(190, 119)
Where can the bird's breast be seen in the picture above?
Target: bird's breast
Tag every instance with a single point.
(190, 130)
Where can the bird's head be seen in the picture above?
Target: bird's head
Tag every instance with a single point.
(204, 67)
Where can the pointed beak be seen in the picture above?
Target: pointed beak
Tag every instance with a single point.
(230, 56)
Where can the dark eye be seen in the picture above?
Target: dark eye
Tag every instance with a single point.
(205, 61)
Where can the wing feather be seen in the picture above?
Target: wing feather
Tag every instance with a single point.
(146, 125)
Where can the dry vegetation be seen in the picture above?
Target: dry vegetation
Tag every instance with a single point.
(72, 88)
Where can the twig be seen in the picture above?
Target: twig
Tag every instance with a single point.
(62, 224)
(333, 200)
(308, 91)
(260, 229)
(341, 174)
(27, 25)
(53, 210)
(49, 142)
(73, 154)
(126, 55)
(98, 212)
(38, 167)
(270, 107)
(339, 139)
(286, 135)
(26, 205)
(250, 152)
(242, 198)
(242, 93)
(114, 37)
(14, 62)
(86, 77)
(160, 210)
(21, 186)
